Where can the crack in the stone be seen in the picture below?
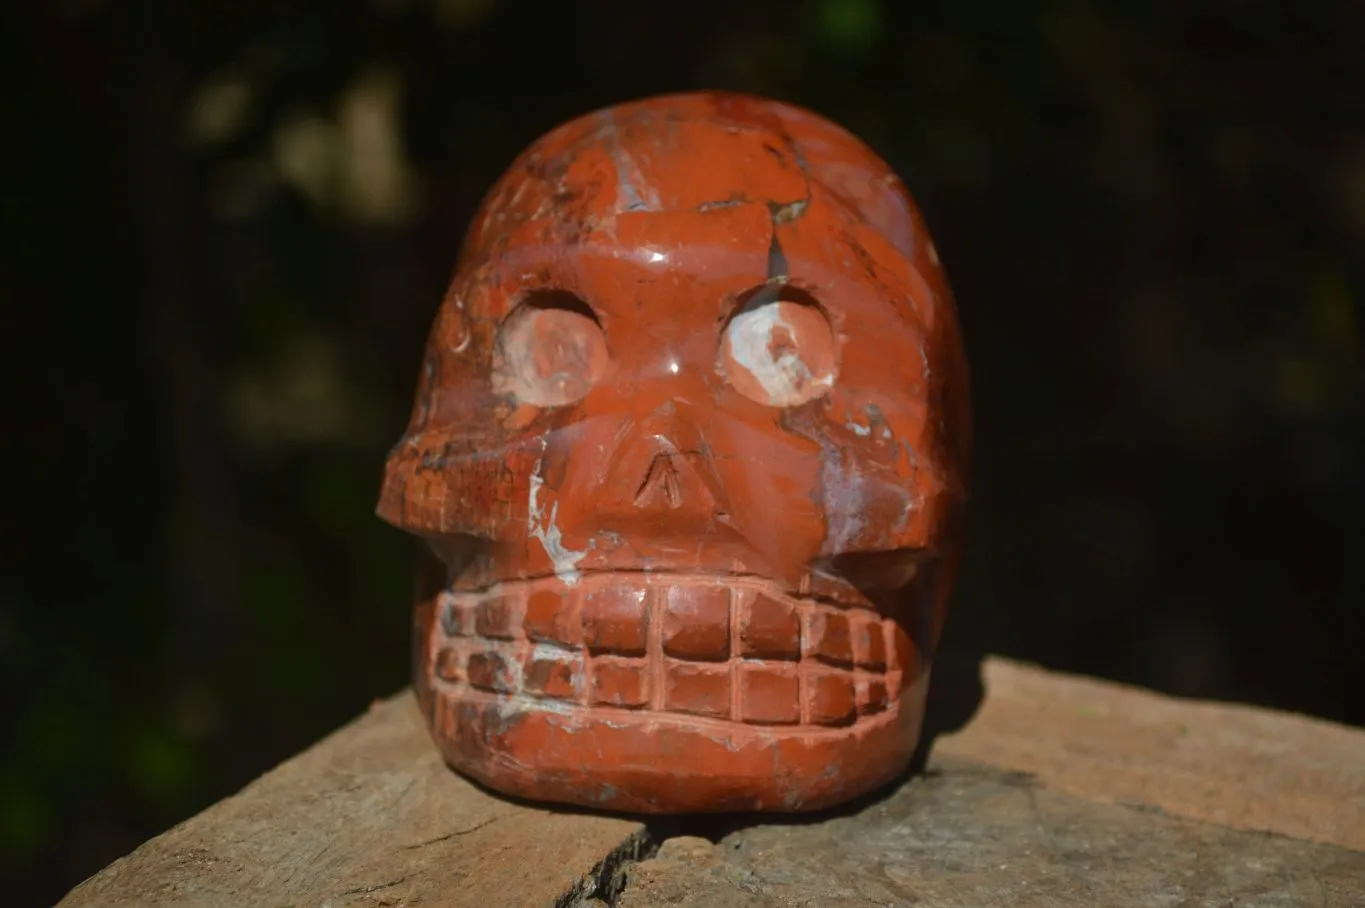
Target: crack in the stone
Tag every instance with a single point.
(452, 835)
(366, 890)
(607, 879)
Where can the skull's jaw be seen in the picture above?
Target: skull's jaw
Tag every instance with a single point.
(645, 763)
(667, 693)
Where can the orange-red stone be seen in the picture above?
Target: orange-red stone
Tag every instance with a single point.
(695, 400)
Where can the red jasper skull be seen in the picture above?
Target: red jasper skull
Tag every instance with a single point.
(689, 447)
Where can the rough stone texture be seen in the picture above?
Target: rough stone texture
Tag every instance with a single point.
(1095, 795)
(367, 817)
(967, 836)
(1238, 766)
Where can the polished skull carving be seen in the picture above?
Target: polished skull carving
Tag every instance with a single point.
(689, 449)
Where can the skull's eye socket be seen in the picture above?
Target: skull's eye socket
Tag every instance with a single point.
(550, 350)
(779, 349)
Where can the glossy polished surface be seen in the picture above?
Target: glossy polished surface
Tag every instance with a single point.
(690, 448)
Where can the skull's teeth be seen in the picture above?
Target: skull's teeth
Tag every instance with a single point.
(677, 645)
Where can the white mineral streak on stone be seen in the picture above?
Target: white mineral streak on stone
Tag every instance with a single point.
(751, 341)
(546, 652)
(510, 705)
(629, 197)
(845, 499)
(516, 704)
(538, 526)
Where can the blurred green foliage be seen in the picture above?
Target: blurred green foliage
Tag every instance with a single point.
(230, 224)
(849, 25)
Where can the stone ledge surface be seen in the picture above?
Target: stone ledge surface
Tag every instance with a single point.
(965, 836)
(368, 816)
(1239, 766)
(1032, 803)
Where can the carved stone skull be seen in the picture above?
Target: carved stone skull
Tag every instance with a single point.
(688, 455)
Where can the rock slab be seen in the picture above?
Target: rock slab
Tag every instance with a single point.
(966, 835)
(367, 817)
(1060, 791)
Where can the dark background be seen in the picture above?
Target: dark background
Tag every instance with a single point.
(228, 224)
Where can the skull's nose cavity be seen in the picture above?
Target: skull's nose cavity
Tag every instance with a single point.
(662, 484)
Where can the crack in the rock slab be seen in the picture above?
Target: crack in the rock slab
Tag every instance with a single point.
(604, 883)
(606, 880)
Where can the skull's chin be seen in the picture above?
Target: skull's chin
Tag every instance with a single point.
(624, 689)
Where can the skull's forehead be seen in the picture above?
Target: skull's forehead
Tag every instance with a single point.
(689, 153)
